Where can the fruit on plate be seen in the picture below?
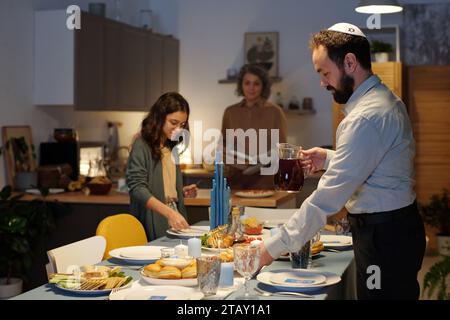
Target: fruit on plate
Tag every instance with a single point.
(252, 226)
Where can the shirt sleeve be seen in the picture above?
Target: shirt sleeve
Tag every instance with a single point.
(330, 155)
(138, 173)
(359, 150)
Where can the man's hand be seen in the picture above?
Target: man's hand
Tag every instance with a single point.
(190, 191)
(265, 258)
(313, 160)
(177, 221)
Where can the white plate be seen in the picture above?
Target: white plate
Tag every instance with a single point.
(137, 253)
(253, 194)
(169, 282)
(194, 231)
(50, 191)
(298, 278)
(270, 224)
(336, 241)
(157, 293)
(90, 292)
(265, 277)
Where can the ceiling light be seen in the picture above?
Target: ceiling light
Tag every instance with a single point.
(378, 6)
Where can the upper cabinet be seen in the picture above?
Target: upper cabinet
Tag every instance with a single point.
(106, 65)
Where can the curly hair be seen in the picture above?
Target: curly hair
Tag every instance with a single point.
(258, 71)
(338, 44)
(152, 125)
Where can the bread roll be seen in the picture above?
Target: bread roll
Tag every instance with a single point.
(169, 272)
(152, 270)
(189, 272)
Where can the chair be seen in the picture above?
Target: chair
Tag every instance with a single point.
(83, 252)
(121, 230)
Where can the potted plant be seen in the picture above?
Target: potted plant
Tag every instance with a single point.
(437, 277)
(25, 176)
(381, 50)
(437, 214)
(22, 223)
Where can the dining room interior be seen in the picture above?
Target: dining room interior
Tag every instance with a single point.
(80, 76)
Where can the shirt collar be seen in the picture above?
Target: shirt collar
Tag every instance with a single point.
(367, 84)
(260, 103)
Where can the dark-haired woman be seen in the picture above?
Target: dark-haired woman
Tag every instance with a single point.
(153, 177)
(253, 112)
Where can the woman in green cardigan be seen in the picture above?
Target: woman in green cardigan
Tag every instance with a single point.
(154, 179)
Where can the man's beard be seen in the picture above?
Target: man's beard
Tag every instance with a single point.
(345, 90)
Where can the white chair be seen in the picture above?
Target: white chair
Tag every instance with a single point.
(84, 252)
(271, 216)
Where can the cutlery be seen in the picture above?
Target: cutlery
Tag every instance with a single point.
(332, 250)
(282, 293)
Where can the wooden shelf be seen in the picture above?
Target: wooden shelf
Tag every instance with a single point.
(300, 112)
(225, 81)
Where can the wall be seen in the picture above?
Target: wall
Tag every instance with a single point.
(211, 34)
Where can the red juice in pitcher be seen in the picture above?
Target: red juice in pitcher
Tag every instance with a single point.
(290, 175)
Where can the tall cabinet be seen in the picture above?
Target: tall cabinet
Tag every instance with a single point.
(106, 65)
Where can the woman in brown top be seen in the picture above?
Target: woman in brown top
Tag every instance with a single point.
(253, 112)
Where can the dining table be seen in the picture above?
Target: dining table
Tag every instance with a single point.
(339, 262)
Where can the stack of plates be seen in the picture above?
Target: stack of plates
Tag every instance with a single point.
(194, 231)
(336, 241)
(137, 254)
(298, 279)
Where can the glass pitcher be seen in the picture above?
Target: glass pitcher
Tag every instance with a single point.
(290, 176)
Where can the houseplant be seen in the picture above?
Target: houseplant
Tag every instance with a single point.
(22, 223)
(437, 277)
(22, 157)
(437, 214)
(381, 50)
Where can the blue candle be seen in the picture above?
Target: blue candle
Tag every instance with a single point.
(226, 274)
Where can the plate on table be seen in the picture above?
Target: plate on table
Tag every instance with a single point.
(193, 231)
(144, 254)
(255, 193)
(298, 278)
(270, 224)
(100, 292)
(169, 282)
(50, 191)
(157, 293)
(268, 276)
(286, 257)
(336, 241)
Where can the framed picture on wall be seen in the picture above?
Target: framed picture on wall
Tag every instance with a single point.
(262, 48)
(18, 151)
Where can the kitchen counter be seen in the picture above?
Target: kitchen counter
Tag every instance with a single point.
(279, 199)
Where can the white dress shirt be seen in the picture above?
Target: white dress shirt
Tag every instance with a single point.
(372, 169)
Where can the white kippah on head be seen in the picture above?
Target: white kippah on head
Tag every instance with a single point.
(347, 28)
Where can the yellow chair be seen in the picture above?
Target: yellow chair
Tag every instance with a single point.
(121, 230)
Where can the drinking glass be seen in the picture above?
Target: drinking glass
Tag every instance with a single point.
(246, 261)
(311, 263)
(342, 226)
(290, 175)
(208, 274)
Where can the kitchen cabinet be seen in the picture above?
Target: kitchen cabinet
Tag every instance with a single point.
(106, 65)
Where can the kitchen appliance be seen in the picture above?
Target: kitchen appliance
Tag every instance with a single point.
(76, 154)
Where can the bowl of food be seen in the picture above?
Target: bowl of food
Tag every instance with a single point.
(252, 226)
(99, 186)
